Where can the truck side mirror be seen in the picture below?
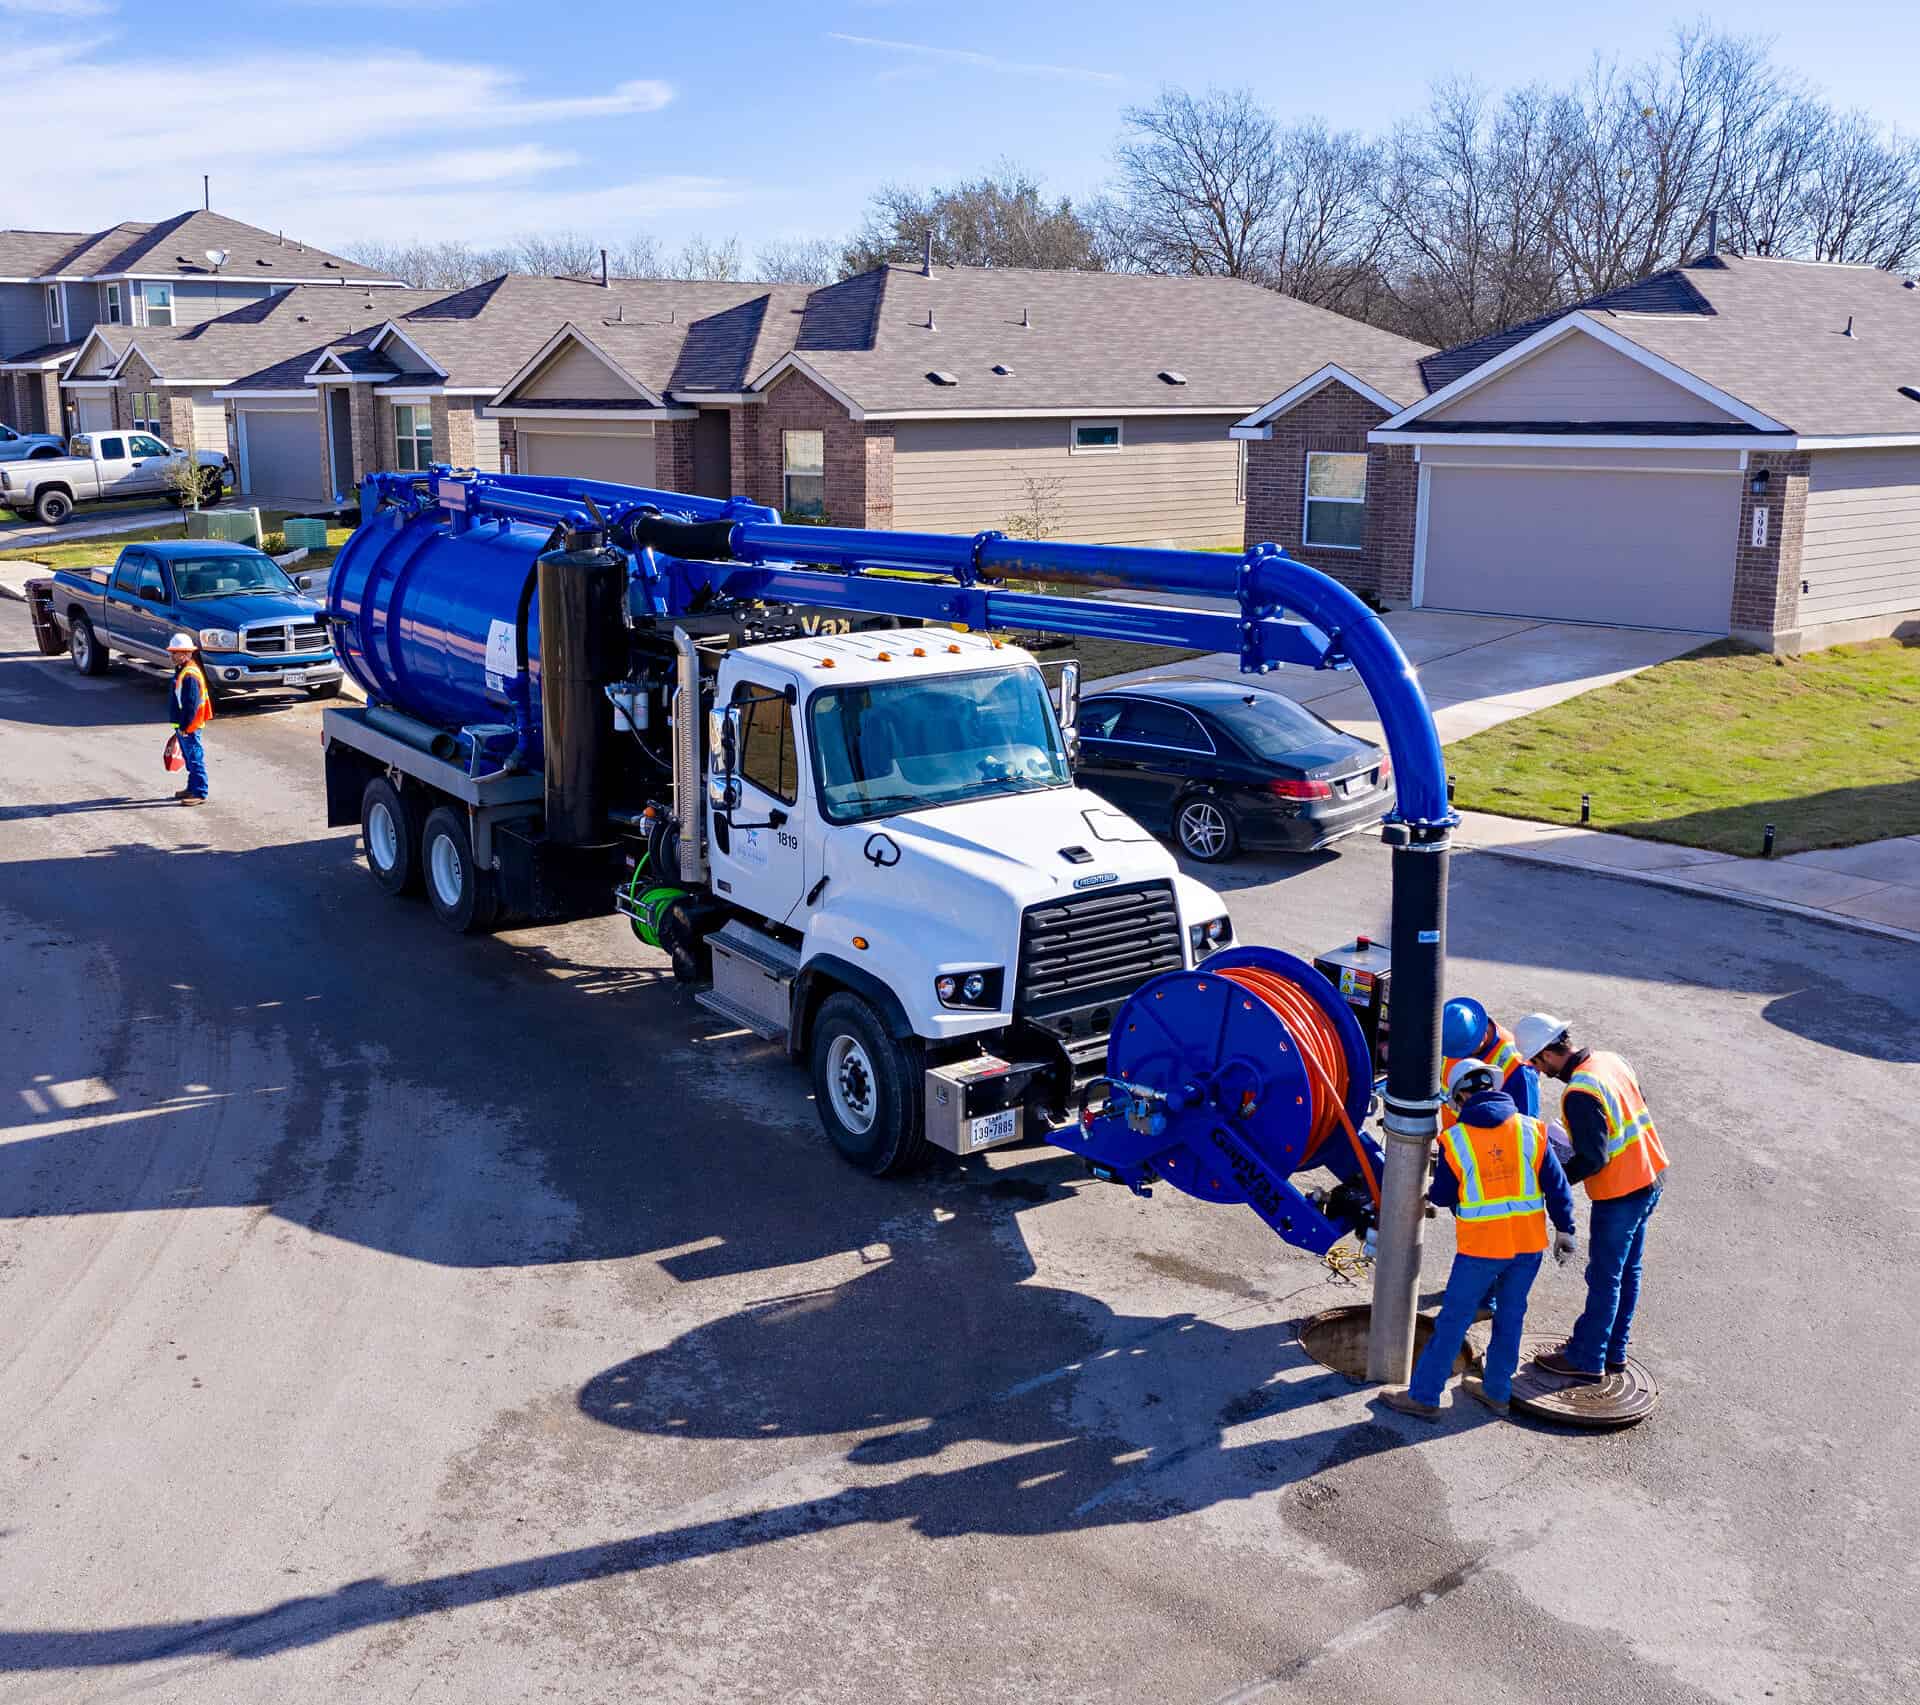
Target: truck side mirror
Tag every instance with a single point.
(304, 582)
(723, 745)
(1069, 696)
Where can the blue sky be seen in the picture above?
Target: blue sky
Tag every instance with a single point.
(481, 118)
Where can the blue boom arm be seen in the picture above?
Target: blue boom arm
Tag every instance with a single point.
(687, 547)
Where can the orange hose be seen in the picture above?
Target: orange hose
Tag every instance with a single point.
(1314, 1034)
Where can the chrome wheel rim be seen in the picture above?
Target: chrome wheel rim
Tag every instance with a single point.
(850, 1085)
(78, 644)
(1203, 830)
(383, 839)
(448, 872)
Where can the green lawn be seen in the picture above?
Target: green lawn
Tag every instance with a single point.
(1708, 749)
(104, 547)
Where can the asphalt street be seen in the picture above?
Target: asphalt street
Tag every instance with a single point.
(390, 1316)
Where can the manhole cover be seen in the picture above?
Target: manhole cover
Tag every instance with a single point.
(1337, 1339)
(1619, 1400)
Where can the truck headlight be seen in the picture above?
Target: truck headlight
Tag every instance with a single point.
(979, 989)
(219, 639)
(1210, 937)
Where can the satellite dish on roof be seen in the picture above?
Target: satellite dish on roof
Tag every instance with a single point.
(218, 257)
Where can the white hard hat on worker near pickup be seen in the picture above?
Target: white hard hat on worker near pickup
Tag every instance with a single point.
(1536, 1031)
(183, 642)
(1470, 1076)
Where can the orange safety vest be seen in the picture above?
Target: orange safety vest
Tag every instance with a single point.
(1501, 1054)
(204, 714)
(1503, 1208)
(1635, 1158)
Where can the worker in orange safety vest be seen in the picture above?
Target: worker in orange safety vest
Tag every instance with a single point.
(1500, 1176)
(1618, 1155)
(192, 711)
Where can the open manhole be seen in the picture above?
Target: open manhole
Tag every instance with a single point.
(1337, 1339)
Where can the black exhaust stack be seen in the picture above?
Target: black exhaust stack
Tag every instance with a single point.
(583, 646)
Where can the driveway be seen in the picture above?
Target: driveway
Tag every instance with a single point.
(19, 534)
(1476, 671)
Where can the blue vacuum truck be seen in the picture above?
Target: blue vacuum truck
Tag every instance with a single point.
(862, 837)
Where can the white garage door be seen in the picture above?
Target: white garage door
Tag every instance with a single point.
(281, 453)
(624, 458)
(1637, 549)
(93, 414)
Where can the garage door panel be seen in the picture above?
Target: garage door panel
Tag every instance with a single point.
(1635, 549)
(623, 458)
(93, 414)
(284, 456)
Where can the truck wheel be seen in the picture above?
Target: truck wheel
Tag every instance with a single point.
(51, 508)
(464, 897)
(89, 655)
(867, 1088)
(326, 690)
(390, 831)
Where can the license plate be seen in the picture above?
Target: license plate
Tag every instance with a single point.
(992, 1128)
(1353, 785)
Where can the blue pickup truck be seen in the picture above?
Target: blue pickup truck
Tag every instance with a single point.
(256, 627)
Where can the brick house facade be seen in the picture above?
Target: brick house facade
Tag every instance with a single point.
(858, 453)
(1336, 418)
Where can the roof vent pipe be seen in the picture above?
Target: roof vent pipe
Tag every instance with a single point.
(930, 325)
(1026, 320)
(1849, 331)
(603, 269)
(1713, 232)
(926, 264)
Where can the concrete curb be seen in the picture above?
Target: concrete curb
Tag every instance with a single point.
(1660, 879)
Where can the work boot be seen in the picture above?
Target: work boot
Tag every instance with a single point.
(1617, 1367)
(1555, 1361)
(1477, 1390)
(183, 793)
(1407, 1404)
(193, 799)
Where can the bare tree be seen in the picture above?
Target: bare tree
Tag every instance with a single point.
(1042, 510)
(699, 258)
(811, 260)
(998, 219)
(1860, 196)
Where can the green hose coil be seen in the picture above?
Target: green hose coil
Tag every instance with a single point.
(650, 907)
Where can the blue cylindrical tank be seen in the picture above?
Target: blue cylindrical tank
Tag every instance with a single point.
(414, 605)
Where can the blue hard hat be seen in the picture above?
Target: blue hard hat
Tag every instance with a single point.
(1463, 1024)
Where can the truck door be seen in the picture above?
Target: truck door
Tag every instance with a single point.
(756, 852)
(113, 467)
(150, 459)
(130, 615)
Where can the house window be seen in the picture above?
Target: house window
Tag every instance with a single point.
(1336, 517)
(113, 304)
(54, 317)
(1094, 437)
(768, 757)
(159, 300)
(413, 437)
(145, 407)
(804, 472)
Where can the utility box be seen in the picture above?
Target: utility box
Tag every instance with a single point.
(1363, 973)
(305, 533)
(235, 526)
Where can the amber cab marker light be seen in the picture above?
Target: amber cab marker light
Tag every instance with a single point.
(860, 941)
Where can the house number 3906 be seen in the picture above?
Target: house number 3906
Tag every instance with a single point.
(1760, 528)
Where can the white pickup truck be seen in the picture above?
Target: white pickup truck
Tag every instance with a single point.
(106, 464)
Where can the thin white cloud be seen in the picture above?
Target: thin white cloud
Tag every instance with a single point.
(978, 61)
(356, 160)
(57, 8)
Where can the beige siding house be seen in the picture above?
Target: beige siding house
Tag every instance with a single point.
(1728, 447)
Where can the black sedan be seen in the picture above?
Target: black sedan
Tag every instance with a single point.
(1221, 765)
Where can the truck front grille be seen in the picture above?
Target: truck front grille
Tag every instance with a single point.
(1095, 949)
(283, 639)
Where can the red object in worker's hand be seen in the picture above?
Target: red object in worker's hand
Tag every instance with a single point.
(170, 754)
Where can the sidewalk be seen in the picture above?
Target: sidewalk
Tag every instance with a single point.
(23, 535)
(1875, 887)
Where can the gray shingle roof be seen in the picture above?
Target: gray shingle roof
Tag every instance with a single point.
(1086, 340)
(27, 254)
(1770, 332)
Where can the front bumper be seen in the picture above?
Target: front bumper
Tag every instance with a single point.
(237, 669)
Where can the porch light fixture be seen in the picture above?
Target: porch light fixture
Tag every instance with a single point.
(1758, 484)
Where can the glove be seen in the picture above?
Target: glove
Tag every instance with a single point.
(1564, 1244)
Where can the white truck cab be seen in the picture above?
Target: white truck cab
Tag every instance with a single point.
(922, 903)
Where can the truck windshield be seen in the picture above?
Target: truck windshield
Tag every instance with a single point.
(910, 744)
(233, 576)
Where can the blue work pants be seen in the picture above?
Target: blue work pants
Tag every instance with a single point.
(195, 752)
(1616, 1241)
(1475, 1279)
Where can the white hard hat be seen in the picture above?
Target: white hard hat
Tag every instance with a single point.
(183, 641)
(1536, 1031)
(1465, 1071)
